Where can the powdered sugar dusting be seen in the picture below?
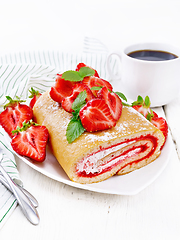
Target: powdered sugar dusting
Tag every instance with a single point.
(54, 106)
(104, 137)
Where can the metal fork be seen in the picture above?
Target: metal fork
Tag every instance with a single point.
(26, 205)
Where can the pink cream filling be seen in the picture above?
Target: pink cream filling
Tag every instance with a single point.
(92, 165)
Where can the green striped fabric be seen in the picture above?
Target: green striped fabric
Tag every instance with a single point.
(21, 71)
(16, 80)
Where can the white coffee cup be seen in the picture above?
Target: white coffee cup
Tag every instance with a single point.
(160, 80)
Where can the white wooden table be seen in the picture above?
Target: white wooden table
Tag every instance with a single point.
(67, 212)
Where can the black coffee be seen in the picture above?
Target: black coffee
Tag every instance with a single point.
(152, 55)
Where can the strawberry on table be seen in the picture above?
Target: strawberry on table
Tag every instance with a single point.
(113, 101)
(34, 95)
(76, 89)
(80, 65)
(61, 89)
(96, 116)
(14, 115)
(96, 82)
(30, 141)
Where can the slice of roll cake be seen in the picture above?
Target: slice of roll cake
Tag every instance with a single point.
(93, 157)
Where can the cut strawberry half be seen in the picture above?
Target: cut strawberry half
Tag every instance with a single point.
(30, 141)
(80, 65)
(96, 116)
(14, 115)
(61, 89)
(96, 82)
(34, 95)
(113, 101)
(76, 89)
(162, 125)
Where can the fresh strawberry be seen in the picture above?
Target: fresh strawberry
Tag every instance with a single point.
(113, 101)
(143, 107)
(34, 95)
(96, 82)
(162, 125)
(80, 65)
(76, 89)
(30, 141)
(61, 89)
(95, 116)
(14, 115)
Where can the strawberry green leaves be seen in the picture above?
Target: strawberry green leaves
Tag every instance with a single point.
(143, 107)
(12, 101)
(75, 128)
(77, 76)
(25, 126)
(146, 102)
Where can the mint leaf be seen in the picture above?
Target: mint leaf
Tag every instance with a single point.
(77, 76)
(74, 130)
(86, 72)
(80, 101)
(121, 95)
(75, 114)
(72, 76)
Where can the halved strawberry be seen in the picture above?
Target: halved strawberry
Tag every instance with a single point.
(113, 101)
(14, 115)
(76, 89)
(30, 141)
(96, 82)
(80, 65)
(162, 125)
(61, 89)
(96, 116)
(34, 95)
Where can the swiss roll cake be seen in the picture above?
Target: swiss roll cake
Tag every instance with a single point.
(95, 156)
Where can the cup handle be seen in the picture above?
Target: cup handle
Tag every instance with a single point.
(111, 74)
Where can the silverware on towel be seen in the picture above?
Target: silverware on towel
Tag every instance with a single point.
(27, 207)
(28, 194)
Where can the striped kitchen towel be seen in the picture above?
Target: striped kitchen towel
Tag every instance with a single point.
(15, 80)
